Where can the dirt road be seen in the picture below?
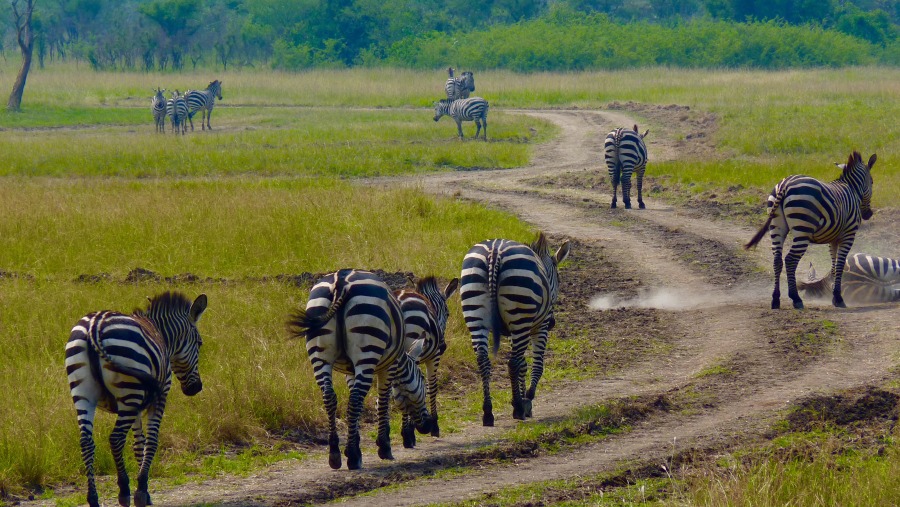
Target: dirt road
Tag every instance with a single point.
(688, 300)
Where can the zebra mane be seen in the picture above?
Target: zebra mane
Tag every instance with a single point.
(167, 302)
(541, 246)
(429, 283)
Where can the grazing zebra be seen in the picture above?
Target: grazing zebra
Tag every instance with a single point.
(203, 100)
(626, 153)
(177, 110)
(158, 108)
(123, 364)
(508, 289)
(353, 324)
(459, 87)
(471, 109)
(425, 315)
(867, 279)
(817, 212)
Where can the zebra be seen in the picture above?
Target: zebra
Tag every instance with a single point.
(176, 109)
(817, 212)
(425, 315)
(353, 324)
(203, 100)
(158, 108)
(123, 364)
(625, 153)
(508, 289)
(459, 87)
(471, 109)
(867, 279)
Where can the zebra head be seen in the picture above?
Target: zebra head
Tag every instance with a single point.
(176, 318)
(858, 176)
(541, 248)
(450, 71)
(429, 288)
(159, 97)
(468, 81)
(441, 108)
(215, 87)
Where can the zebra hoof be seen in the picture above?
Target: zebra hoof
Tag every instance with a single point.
(627, 205)
(487, 420)
(435, 430)
(141, 499)
(384, 453)
(612, 206)
(641, 205)
(776, 303)
(93, 499)
(519, 411)
(838, 302)
(798, 304)
(334, 460)
(409, 437)
(527, 406)
(125, 500)
(354, 458)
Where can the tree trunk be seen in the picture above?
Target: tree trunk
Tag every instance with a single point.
(26, 45)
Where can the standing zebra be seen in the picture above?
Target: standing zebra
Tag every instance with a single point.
(626, 153)
(203, 100)
(425, 315)
(459, 87)
(124, 364)
(471, 109)
(817, 212)
(177, 110)
(353, 324)
(158, 108)
(508, 289)
(867, 279)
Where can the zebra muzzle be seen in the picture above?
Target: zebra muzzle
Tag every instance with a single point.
(192, 388)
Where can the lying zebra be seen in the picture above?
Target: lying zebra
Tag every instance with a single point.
(867, 279)
(471, 109)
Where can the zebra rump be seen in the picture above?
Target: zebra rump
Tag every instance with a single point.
(867, 279)
(625, 153)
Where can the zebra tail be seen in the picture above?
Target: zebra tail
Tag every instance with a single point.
(496, 320)
(759, 234)
(300, 322)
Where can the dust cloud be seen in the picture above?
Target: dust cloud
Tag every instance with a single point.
(685, 298)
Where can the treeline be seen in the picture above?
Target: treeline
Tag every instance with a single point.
(516, 34)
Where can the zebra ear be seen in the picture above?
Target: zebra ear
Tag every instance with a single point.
(872, 160)
(451, 288)
(562, 253)
(198, 307)
(645, 133)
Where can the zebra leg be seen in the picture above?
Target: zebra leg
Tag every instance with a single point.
(538, 347)
(117, 444)
(484, 368)
(777, 265)
(329, 398)
(640, 186)
(484, 120)
(191, 119)
(151, 444)
(361, 386)
(459, 128)
(86, 422)
(384, 416)
(208, 117)
(837, 269)
(614, 176)
(431, 372)
(137, 430)
(477, 128)
(626, 187)
(408, 432)
(798, 248)
(517, 371)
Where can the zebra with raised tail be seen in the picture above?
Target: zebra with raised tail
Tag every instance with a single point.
(123, 364)
(459, 87)
(471, 109)
(867, 279)
(626, 153)
(817, 212)
(203, 100)
(509, 289)
(158, 109)
(176, 109)
(353, 324)
(425, 315)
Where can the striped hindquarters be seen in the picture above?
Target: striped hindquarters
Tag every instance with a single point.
(460, 87)
(199, 99)
(471, 109)
(625, 152)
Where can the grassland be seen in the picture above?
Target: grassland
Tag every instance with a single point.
(87, 188)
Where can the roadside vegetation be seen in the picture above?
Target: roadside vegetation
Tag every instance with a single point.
(88, 193)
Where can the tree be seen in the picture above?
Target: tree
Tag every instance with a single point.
(25, 38)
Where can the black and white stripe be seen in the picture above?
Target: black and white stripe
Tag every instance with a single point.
(176, 109)
(626, 153)
(123, 364)
(459, 87)
(471, 109)
(203, 100)
(508, 289)
(353, 324)
(817, 212)
(425, 315)
(158, 108)
(867, 279)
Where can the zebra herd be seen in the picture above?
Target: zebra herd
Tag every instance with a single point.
(181, 108)
(459, 106)
(352, 324)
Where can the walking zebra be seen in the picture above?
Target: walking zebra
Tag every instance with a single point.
(203, 100)
(508, 289)
(818, 213)
(353, 324)
(158, 108)
(626, 153)
(867, 279)
(471, 109)
(123, 364)
(177, 110)
(425, 315)
(459, 87)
